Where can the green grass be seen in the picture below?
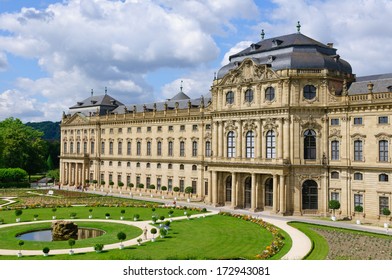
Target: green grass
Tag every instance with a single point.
(83, 213)
(8, 238)
(213, 237)
(3, 202)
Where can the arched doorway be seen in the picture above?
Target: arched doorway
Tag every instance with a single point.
(269, 192)
(248, 192)
(309, 195)
(228, 188)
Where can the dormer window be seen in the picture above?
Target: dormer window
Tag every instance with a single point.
(276, 42)
(389, 89)
(254, 47)
(80, 103)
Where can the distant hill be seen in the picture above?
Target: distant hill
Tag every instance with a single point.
(50, 129)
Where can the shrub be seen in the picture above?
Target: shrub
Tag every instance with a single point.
(121, 236)
(122, 211)
(120, 184)
(176, 189)
(20, 243)
(140, 186)
(136, 216)
(103, 182)
(12, 175)
(73, 215)
(358, 208)
(154, 219)
(386, 211)
(153, 231)
(107, 215)
(334, 204)
(139, 240)
(151, 187)
(188, 190)
(170, 212)
(98, 247)
(18, 212)
(164, 188)
(162, 218)
(46, 250)
(111, 183)
(90, 210)
(71, 242)
(130, 185)
(153, 209)
(54, 210)
(162, 232)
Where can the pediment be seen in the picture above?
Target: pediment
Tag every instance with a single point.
(77, 118)
(248, 71)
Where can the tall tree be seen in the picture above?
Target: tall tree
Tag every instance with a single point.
(21, 146)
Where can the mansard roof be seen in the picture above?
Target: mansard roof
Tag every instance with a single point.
(293, 51)
(381, 83)
(100, 100)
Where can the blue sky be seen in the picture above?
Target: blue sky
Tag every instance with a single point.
(52, 53)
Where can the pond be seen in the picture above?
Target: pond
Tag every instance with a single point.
(46, 234)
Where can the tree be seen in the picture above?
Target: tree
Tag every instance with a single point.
(121, 236)
(21, 146)
(153, 232)
(71, 242)
(189, 190)
(334, 204)
(20, 243)
(49, 162)
(54, 175)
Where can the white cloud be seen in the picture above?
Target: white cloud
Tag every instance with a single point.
(236, 49)
(14, 103)
(3, 62)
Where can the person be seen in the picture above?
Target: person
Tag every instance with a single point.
(145, 233)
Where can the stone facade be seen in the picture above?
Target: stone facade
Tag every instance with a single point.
(284, 139)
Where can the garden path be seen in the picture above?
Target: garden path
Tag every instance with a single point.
(8, 199)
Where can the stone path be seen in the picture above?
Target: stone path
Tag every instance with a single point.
(9, 201)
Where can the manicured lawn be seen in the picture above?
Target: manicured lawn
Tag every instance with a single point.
(9, 241)
(213, 237)
(3, 202)
(83, 213)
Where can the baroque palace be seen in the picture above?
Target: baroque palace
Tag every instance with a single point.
(286, 128)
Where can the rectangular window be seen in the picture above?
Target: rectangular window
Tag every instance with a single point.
(110, 148)
(383, 120)
(194, 149)
(128, 180)
(129, 129)
(103, 148)
(138, 148)
(334, 121)
(148, 182)
(358, 200)
(383, 150)
(71, 147)
(208, 149)
(194, 127)
(149, 148)
(159, 148)
(194, 186)
(169, 184)
(111, 131)
(128, 148)
(139, 129)
(92, 147)
(358, 152)
(170, 149)
(148, 128)
(335, 196)
(137, 181)
(182, 148)
(208, 126)
(119, 130)
(102, 177)
(65, 147)
(182, 127)
(182, 185)
(170, 128)
(206, 188)
(358, 121)
(159, 128)
(85, 147)
(335, 150)
(159, 183)
(358, 176)
(119, 178)
(119, 148)
(78, 147)
(110, 178)
(384, 203)
(102, 131)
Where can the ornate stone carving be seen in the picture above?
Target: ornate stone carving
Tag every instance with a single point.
(64, 230)
(250, 126)
(335, 133)
(230, 126)
(383, 136)
(310, 123)
(270, 124)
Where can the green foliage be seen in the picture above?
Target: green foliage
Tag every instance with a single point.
(136, 216)
(53, 174)
(162, 218)
(107, 214)
(46, 250)
(98, 247)
(73, 215)
(21, 243)
(164, 188)
(18, 212)
(8, 175)
(120, 184)
(188, 190)
(54, 210)
(20, 185)
(49, 162)
(50, 130)
(153, 231)
(176, 189)
(71, 242)
(358, 208)
(121, 236)
(103, 182)
(122, 211)
(21, 146)
(130, 185)
(162, 232)
(151, 187)
(386, 211)
(141, 186)
(111, 183)
(334, 204)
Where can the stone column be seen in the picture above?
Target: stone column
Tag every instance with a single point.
(215, 140)
(239, 141)
(214, 188)
(220, 137)
(253, 205)
(261, 141)
(286, 138)
(282, 195)
(233, 190)
(280, 139)
(210, 183)
(275, 194)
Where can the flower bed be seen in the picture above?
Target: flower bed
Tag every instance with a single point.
(277, 241)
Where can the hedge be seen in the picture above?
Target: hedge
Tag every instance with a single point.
(12, 175)
(15, 185)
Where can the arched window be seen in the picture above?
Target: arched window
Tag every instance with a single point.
(335, 150)
(270, 94)
(230, 97)
(149, 148)
(269, 192)
(119, 148)
(128, 148)
(309, 144)
(250, 144)
(194, 167)
(138, 164)
(383, 178)
(249, 95)
(110, 148)
(159, 148)
(182, 167)
(230, 144)
(71, 147)
(148, 165)
(383, 150)
(102, 148)
(170, 148)
(170, 166)
(358, 152)
(78, 147)
(358, 176)
(271, 144)
(159, 165)
(309, 92)
(228, 188)
(128, 164)
(65, 147)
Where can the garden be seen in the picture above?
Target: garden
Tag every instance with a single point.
(195, 236)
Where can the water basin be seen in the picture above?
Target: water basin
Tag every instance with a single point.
(46, 234)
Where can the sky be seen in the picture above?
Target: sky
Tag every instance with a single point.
(53, 53)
